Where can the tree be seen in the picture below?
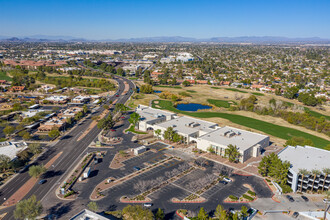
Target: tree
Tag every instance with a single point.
(27, 136)
(35, 148)
(106, 107)
(211, 149)
(244, 211)
(202, 215)
(28, 209)
(8, 130)
(220, 213)
(93, 206)
(169, 133)
(158, 133)
(54, 133)
(4, 162)
(301, 141)
(137, 212)
(159, 214)
(291, 93)
(120, 71)
(232, 153)
(186, 83)
(85, 109)
(147, 89)
(134, 118)
(106, 123)
(37, 170)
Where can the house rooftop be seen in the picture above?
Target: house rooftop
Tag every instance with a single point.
(229, 135)
(306, 157)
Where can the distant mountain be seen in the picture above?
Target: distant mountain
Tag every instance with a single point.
(176, 39)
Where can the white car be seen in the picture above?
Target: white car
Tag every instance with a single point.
(147, 204)
(227, 180)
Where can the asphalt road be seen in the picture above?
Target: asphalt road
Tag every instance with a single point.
(71, 149)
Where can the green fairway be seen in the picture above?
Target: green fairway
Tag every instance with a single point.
(4, 76)
(221, 103)
(235, 90)
(213, 87)
(268, 128)
(257, 94)
(191, 91)
(174, 87)
(316, 114)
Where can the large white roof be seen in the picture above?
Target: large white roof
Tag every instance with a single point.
(229, 135)
(188, 125)
(149, 113)
(307, 157)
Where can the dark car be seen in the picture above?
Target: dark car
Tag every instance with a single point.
(136, 168)
(223, 182)
(295, 214)
(42, 181)
(290, 198)
(305, 198)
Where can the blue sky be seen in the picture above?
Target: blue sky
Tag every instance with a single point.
(113, 19)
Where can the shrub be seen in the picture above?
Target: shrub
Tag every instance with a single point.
(69, 194)
(251, 193)
(285, 188)
(247, 197)
(233, 197)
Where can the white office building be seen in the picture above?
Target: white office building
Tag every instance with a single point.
(307, 158)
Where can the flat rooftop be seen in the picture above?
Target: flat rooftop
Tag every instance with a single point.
(187, 125)
(149, 113)
(229, 135)
(307, 157)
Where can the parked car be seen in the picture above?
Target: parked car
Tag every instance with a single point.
(42, 181)
(113, 130)
(227, 180)
(136, 168)
(290, 198)
(295, 214)
(326, 200)
(223, 182)
(305, 198)
(147, 204)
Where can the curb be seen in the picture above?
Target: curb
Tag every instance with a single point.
(176, 212)
(242, 202)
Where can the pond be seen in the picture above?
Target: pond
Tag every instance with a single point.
(192, 107)
(157, 91)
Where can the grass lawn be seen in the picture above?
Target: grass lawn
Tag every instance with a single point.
(132, 129)
(173, 87)
(258, 94)
(4, 76)
(220, 103)
(235, 90)
(266, 127)
(313, 113)
(191, 91)
(213, 87)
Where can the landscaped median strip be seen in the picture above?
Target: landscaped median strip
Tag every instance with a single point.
(266, 127)
(23, 191)
(104, 185)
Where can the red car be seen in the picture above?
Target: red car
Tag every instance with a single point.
(113, 130)
(122, 117)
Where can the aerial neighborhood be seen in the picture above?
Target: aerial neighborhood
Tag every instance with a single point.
(164, 130)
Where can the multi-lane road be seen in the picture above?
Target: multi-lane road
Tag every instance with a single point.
(72, 149)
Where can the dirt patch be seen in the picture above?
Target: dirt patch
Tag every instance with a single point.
(119, 158)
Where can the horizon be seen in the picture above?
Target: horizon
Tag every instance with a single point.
(101, 20)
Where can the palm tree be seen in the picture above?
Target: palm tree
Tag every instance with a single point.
(232, 153)
(158, 133)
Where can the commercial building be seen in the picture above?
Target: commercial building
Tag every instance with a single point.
(313, 160)
(187, 127)
(151, 116)
(204, 134)
(249, 144)
(57, 99)
(11, 149)
(89, 215)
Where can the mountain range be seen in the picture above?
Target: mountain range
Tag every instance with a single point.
(175, 39)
